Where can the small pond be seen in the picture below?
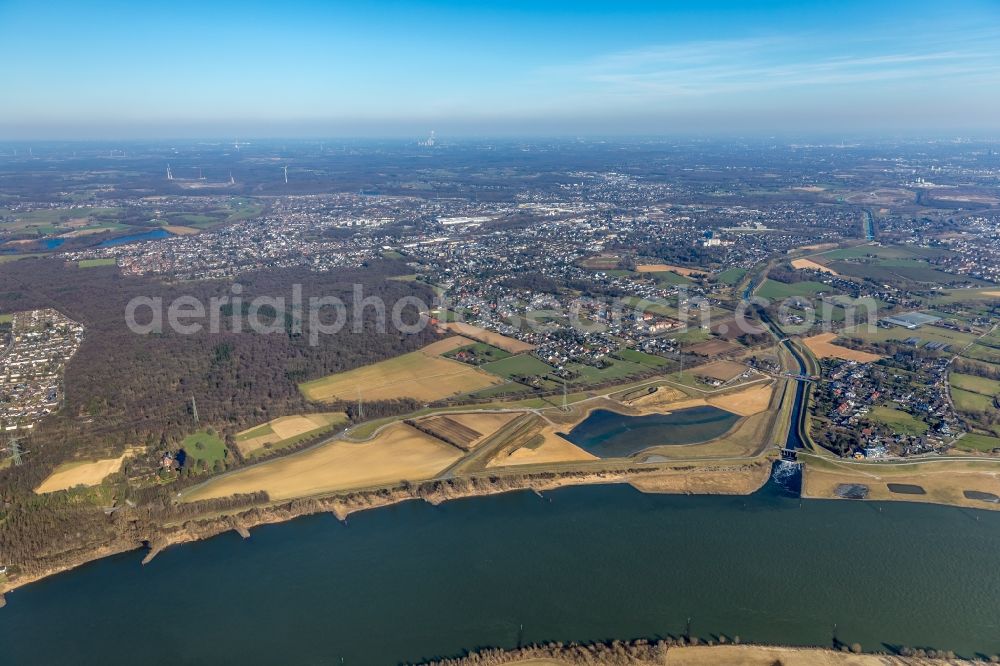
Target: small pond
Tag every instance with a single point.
(608, 434)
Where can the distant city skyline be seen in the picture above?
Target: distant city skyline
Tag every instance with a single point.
(124, 70)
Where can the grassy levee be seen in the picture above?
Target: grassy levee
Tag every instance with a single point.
(805, 423)
(943, 480)
(758, 434)
(623, 392)
(365, 430)
(781, 413)
(712, 476)
(511, 436)
(977, 442)
(812, 363)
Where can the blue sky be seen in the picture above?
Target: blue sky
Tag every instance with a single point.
(292, 68)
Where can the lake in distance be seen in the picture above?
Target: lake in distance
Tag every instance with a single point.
(155, 234)
(414, 581)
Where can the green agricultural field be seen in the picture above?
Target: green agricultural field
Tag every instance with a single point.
(198, 220)
(656, 307)
(53, 221)
(520, 365)
(4, 258)
(58, 215)
(94, 263)
(981, 352)
(887, 252)
(692, 335)
(601, 262)
(617, 370)
(988, 387)
(898, 420)
(482, 351)
(203, 449)
(731, 276)
(965, 296)
(778, 290)
(972, 403)
(642, 358)
(670, 278)
(976, 442)
(690, 380)
(926, 334)
(905, 270)
(243, 209)
(6, 318)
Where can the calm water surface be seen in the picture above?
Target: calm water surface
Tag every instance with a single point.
(155, 234)
(416, 581)
(608, 434)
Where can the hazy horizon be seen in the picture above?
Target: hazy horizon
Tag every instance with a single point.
(120, 71)
(417, 136)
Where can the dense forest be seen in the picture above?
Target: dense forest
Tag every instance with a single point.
(124, 389)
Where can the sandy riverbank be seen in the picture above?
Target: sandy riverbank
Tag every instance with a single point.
(935, 481)
(671, 653)
(194, 522)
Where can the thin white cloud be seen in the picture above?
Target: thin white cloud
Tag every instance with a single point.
(762, 65)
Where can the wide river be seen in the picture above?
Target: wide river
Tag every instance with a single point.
(416, 581)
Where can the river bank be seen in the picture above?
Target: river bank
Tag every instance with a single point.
(683, 653)
(202, 521)
(969, 483)
(579, 563)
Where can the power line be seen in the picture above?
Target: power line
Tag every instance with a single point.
(16, 452)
